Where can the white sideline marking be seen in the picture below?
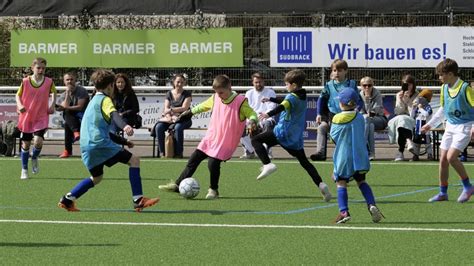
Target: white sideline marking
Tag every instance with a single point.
(247, 226)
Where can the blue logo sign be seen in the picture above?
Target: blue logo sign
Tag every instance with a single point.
(294, 47)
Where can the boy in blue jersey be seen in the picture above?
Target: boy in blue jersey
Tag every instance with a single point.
(289, 131)
(457, 106)
(100, 147)
(351, 159)
(328, 104)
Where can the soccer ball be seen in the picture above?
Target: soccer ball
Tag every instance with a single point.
(189, 188)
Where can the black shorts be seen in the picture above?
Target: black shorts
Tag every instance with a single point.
(122, 156)
(358, 176)
(29, 136)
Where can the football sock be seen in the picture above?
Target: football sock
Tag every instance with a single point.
(443, 189)
(25, 155)
(69, 196)
(82, 187)
(35, 153)
(136, 200)
(465, 183)
(135, 182)
(342, 199)
(367, 193)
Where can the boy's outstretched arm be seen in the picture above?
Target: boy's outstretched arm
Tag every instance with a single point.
(118, 139)
(246, 112)
(284, 105)
(54, 96)
(276, 99)
(200, 108)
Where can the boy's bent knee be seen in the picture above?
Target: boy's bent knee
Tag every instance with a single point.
(134, 161)
(25, 145)
(96, 179)
(38, 142)
(452, 159)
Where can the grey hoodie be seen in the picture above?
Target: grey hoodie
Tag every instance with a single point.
(374, 105)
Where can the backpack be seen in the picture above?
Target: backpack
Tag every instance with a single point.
(10, 131)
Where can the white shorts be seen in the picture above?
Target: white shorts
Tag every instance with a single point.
(456, 136)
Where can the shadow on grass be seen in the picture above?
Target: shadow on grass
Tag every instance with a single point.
(403, 185)
(271, 197)
(427, 223)
(47, 245)
(400, 201)
(212, 212)
(105, 178)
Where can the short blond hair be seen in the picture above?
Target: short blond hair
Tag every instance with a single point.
(367, 79)
(39, 60)
(221, 81)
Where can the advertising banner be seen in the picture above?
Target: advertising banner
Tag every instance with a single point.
(406, 47)
(129, 48)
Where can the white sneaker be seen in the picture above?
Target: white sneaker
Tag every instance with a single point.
(34, 166)
(371, 157)
(267, 169)
(212, 194)
(24, 174)
(414, 149)
(399, 157)
(248, 156)
(410, 146)
(325, 192)
(375, 213)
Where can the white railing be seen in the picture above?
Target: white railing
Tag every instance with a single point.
(312, 90)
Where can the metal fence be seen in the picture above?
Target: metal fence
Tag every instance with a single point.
(256, 44)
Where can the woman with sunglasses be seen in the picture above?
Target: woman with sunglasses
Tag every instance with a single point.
(373, 112)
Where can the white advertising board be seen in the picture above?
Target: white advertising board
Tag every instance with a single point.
(371, 47)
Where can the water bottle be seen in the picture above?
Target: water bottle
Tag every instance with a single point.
(418, 126)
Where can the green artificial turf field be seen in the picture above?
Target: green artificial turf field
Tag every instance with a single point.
(280, 220)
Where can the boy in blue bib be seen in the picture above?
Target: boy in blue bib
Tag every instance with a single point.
(351, 160)
(99, 146)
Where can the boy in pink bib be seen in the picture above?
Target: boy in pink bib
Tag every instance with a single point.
(32, 101)
(229, 113)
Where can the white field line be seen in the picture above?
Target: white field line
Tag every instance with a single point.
(251, 226)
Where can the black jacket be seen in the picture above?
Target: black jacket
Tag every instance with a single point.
(128, 107)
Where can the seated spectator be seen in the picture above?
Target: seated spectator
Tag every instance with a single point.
(400, 127)
(177, 100)
(372, 111)
(258, 98)
(72, 102)
(126, 101)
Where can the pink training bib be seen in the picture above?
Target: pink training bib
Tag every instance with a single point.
(225, 129)
(36, 102)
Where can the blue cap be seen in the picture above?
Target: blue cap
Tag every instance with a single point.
(348, 96)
